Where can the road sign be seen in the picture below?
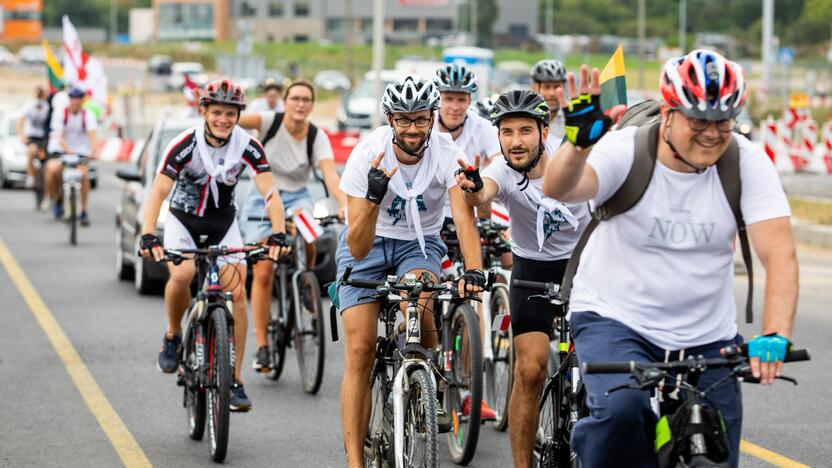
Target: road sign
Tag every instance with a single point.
(785, 56)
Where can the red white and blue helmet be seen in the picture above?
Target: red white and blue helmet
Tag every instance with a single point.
(703, 85)
(223, 91)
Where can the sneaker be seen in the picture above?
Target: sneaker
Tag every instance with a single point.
(239, 399)
(84, 219)
(486, 412)
(29, 183)
(444, 424)
(58, 210)
(169, 354)
(262, 360)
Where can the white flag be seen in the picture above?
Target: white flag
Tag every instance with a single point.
(499, 214)
(96, 82)
(307, 225)
(74, 57)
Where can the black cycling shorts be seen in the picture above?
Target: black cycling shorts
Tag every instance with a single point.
(533, 315)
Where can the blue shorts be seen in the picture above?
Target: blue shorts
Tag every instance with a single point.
(386, 257)
(256, 225)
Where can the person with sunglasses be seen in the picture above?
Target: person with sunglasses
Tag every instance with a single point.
(655, 283)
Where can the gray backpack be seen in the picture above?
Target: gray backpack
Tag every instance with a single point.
(645, 115)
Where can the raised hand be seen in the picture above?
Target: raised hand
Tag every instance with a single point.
(585, 121)
(468, 176)
(377, 180)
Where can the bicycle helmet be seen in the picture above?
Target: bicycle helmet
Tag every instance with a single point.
(548, 70)
(522, 103)
(457, 78)
(410, 94)
(223, 91)
(703, 85)
(484, 107)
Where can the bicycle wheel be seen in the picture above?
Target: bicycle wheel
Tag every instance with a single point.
(464, 383)
(499, 372)
(376, 453)
(278, 332)
(309, 333)
(194, 396)
(73, 217)
(421, 444)
(219, 382)
(551, 446)
(38, 188)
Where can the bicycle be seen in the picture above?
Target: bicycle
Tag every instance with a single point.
(207, 374)
(403, 429)
(563, 399)
(297, 316)
(696, 426)
(39, 163)
(72, 178)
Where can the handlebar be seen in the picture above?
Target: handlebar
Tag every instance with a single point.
(177, 256)
(391, 285)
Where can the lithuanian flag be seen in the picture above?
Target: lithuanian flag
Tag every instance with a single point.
(53, 69)
(613, 82)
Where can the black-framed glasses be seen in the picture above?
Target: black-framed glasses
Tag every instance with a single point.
(405, 122)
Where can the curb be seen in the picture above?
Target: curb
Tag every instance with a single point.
(812, 234)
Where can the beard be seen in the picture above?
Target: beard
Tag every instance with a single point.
(412, 148)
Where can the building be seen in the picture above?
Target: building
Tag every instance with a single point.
(20, 20)
(412, 21)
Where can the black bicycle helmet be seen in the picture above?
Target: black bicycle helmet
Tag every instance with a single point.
(548, 70)
(522, 103)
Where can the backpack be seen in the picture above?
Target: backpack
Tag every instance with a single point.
(83, 118)
(310, 143)
(645, 115)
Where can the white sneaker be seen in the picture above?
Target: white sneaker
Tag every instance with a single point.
(29, 182)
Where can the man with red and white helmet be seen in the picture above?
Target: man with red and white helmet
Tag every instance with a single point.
(655, 283)
(202, 165)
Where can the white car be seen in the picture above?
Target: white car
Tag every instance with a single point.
(357, 106)
(194, 70)
(332, 80)
(6, 57)
(31, 55)
(13, 157)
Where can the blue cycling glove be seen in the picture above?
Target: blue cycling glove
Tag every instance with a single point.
(769, 348)
(585, 121)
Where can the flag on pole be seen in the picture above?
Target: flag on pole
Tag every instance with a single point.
(306, 224)
(614, 82)
(75, 60)
(53, 69)
(190, 90)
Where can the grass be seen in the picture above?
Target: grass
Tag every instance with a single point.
(811, 210)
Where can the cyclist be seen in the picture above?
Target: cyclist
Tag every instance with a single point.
(396, 231)
(545, 232)
(656, 281)
(72, 132)
(291, 168)
(32, 129)
(202, 165)
(271, 98)
(548, 76)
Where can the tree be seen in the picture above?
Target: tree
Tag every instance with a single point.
(487, 11)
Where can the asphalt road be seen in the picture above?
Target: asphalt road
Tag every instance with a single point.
(44, 421)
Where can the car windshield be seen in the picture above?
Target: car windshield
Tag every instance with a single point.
(365, 89)
(168, 134)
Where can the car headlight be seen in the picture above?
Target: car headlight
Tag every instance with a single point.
(163, 213)
(745, 129)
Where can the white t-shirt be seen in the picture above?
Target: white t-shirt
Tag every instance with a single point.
(262, 105)
(287, 155)
(35, 113)
(557, 130)
(561, 237)
(75, 133)
(392, 219)
(665, 267)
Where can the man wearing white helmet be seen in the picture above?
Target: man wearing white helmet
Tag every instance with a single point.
(548, 76)
(396, 231)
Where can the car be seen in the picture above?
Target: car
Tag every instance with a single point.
(332, 80)
(31, 55)
(13, 157)
(6, 57)
(357, 106)
(160, 64)
(194, 70)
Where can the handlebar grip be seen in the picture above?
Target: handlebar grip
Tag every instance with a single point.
(608, 367)
(347, 273)
(537, 286)
(798, 355)
(366, 284)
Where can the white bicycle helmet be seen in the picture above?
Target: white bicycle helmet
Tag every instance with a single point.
(411, 94)
(548, 70)
(457, 78)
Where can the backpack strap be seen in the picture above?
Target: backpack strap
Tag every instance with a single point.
(311, 134)
(272, 131)
(728, 168)
(626, 197)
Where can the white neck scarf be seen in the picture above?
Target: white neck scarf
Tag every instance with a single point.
(544, 204)
(229, 155)
(424, 176)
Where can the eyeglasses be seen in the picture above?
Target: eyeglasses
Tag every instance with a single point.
(404, 122)
(700, 125)
(298, 99)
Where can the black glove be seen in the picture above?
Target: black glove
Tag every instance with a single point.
(377, 182)
(149, 241)
(277, 239)
(474, 176)
(474, 278)
(585, 121)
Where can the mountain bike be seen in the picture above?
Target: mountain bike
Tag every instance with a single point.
(563, 399)
(297, 318)
(207, 353)
(72, 178)
(403, 430)
(690, 431)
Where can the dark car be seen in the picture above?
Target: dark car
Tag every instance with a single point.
(160, 65)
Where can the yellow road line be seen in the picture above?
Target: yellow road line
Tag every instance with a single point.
(120, 437)
(767, 455)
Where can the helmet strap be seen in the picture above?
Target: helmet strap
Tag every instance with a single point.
(449, 129)
(524, 170)
(678, 156)
(418, 155)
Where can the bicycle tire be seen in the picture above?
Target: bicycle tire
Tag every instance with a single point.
(219, 382)
(73, 217)
(375, 444)
(464, 328)
(39, 187)
(500, 371)
(194, 397)
(278, 332)
(420, 413)
(309, 335)
(552, 441)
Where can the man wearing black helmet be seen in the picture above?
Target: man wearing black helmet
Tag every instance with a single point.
(544, 233)
(548, 76)
(396, 231)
